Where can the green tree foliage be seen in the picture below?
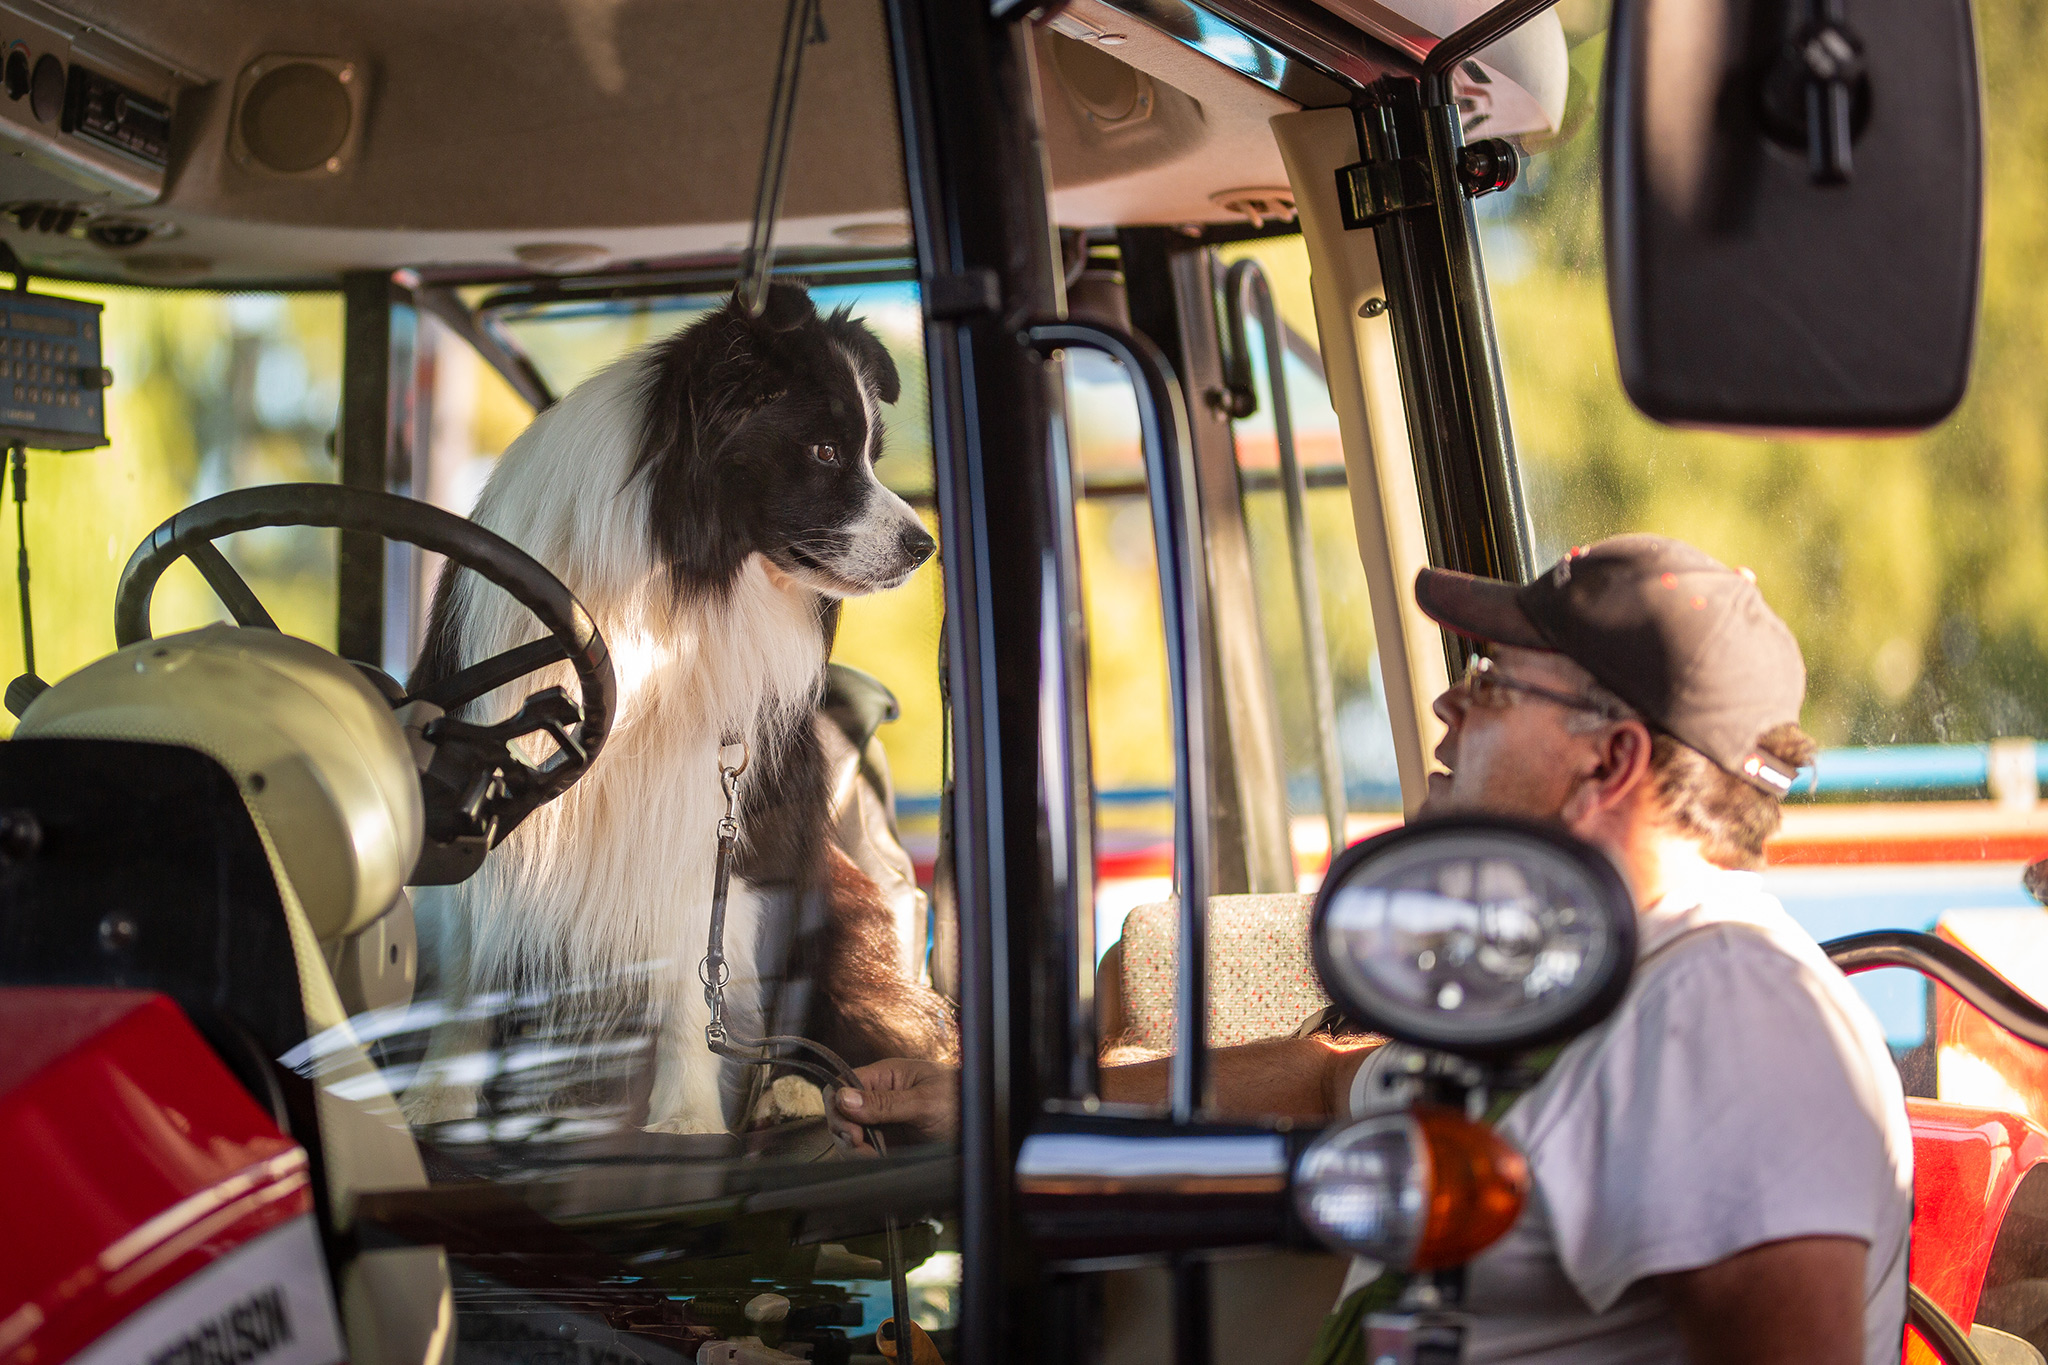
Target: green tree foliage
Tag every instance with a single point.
(1913, 569)
(211, 392)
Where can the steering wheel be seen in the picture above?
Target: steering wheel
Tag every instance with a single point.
(477, 787)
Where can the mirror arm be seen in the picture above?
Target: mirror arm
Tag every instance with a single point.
(1455, 47)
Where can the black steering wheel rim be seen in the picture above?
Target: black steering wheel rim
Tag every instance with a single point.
(191, 533)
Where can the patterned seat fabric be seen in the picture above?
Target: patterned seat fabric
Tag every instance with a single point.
(1262, 983)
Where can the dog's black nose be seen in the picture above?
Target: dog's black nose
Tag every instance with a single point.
(915, 545)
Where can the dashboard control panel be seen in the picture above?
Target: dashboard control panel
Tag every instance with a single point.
(52, 385)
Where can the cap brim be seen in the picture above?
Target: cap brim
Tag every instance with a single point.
(1478, 608)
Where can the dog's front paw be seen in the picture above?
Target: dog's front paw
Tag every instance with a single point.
(684, 1125)
(789, 1098)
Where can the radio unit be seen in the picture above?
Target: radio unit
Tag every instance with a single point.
(83, 111)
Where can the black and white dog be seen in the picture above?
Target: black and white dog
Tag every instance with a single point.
(710, 499)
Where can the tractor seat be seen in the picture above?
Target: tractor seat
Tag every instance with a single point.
(1262, 983)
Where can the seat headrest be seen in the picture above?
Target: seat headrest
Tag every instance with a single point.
(311, 745)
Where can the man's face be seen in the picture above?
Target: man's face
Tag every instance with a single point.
(1513, 753)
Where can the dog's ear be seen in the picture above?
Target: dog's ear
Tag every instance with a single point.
(873, 357)
(786, 308)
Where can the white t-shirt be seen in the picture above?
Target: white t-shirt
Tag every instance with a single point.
(1740, 1094)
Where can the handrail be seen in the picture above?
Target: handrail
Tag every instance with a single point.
(1246, 283)
(1949, 1342)
(1066, 765)
(2003, 1003)
(1483, 32)
(1183, 600)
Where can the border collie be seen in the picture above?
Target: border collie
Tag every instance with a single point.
(710, 498)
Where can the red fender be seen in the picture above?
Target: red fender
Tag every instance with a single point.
(153, 1211)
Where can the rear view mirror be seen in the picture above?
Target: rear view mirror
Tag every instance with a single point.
(1794, 201)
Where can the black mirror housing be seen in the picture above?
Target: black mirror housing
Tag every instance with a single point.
(1794, 210)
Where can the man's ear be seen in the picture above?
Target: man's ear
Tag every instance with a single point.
(1622, 768)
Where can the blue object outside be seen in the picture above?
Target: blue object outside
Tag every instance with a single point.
(1830, 902)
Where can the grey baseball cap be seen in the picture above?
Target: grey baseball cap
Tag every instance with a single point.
(1678, 635)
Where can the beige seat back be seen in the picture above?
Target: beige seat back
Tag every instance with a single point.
(1262, 983)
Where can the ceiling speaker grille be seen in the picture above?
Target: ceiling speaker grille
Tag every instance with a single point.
(297, 116)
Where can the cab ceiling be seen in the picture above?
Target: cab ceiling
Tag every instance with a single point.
(506, 135)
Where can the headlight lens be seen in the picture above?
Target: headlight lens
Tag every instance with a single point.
(1362, 1188)
(1419, 1189)
(1478, 935)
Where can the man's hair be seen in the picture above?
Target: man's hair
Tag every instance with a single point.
(1731, 818)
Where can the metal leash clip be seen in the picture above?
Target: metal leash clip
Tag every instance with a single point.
(714, 971)
(822, 1065)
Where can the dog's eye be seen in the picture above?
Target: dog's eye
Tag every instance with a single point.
(825, 453)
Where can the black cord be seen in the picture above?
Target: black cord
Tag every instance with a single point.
(19, 455)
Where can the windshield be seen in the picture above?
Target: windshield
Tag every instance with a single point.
(576, 1064)
(1909, 567)
(551, 1079)
(211, 392)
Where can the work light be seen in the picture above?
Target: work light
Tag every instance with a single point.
(1477, 935)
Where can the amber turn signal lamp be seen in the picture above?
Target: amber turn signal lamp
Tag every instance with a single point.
(1423, 1188)
(1476, 1183)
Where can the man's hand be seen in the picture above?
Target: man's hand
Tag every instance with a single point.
(1297, 1078)
(921, 1096)
(1292, 1077)
(1799, 1300)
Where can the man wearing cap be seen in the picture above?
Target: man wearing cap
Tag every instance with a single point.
(1722, 1169)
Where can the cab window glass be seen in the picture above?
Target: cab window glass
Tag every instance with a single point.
(1907, 566)
(1129, 716)
(211, 392)
(577, 1081)
(542, 1092)
(1364, 734)
(558, 1084)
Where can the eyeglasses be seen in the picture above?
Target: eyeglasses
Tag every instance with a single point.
(1487, 686)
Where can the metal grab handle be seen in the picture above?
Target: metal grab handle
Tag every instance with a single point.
(1939, 960)
(1482, 32)
(1184, 614)
(1949, 1342)
(1247, 283)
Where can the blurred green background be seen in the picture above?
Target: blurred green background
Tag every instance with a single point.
(1913, 569)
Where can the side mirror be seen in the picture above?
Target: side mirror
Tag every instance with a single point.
(1477, 935)
(1794, 209)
